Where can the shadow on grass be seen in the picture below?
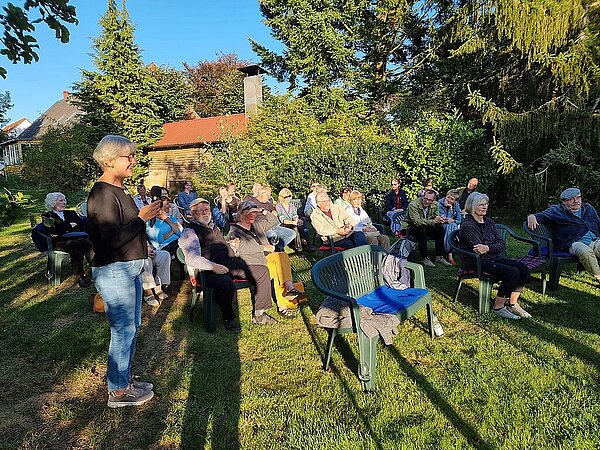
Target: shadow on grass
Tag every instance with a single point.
(351, 362)
(212, 411)
(436, 398)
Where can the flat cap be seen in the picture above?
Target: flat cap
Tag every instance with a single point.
(569, 193)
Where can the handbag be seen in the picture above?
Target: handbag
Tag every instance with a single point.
(97, 303)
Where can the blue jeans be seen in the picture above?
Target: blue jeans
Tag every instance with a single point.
(120, 285)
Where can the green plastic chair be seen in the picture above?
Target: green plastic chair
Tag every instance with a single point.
(538, 264)
(208, 301)
(351, 274)
(57, 259)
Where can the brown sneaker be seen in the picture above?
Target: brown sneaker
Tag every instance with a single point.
(130, 397)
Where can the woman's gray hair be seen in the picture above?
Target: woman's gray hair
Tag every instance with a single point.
(51, 199)
(473, 200)
(110, 148)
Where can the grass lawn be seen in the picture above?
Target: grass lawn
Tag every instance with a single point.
(487, 383)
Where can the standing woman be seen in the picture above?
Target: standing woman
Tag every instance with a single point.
(118, 231)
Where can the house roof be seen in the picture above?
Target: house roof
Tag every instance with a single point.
(195, 132)
(61, 113)
(11, 126)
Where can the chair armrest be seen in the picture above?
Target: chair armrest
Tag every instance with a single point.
(418, 275)
(379, 227)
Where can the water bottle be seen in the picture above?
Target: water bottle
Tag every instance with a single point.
(437, 327)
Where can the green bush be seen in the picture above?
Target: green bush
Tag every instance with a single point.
(62, 161)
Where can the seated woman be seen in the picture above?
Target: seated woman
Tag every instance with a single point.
(396, 203)
(364, 223)
(288, 216)
(68, 234)
(344, 199)
(227, 203)
(164, 232)
(449, 209)
(254, 245)
(478, 234)
(152, 283)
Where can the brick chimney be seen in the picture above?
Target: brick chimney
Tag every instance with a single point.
(66, 95)
(252, 88)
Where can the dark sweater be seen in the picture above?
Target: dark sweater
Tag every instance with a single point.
(60, 227)
(116, 231)
(472, 233)
(390, 200)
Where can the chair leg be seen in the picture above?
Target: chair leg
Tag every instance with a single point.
(331, 334)
(430, 317)
(194, 300)
(210, 310)
(459, 283)
(485, 293)
(554, 274)
(367, 348)
(543, 275)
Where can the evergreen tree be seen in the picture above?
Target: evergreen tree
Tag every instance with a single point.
(172, 92)
(120, 96)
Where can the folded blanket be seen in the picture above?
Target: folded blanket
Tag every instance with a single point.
(335, 313)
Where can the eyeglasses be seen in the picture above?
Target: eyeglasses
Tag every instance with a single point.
(201, 211)
(394, 184)
(131, 158)
(287, 196)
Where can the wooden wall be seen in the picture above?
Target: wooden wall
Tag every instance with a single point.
(180, 164)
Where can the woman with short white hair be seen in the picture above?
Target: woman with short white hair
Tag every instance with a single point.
(478, 234)
(118, 231)
(68, 234)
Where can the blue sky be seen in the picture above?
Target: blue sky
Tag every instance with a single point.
(168, 32)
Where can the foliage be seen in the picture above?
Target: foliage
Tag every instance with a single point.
(18, 44)
(121, 97)
(63, 161)
(538, 83)
(289, 145)
(11, 206)
(5, 105)
(171, 91)
(218, 85)
(366, 47)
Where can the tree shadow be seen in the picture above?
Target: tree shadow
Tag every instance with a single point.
(212, 410)
(436, 398)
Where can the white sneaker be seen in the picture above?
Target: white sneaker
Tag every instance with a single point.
(517, 310)
(442, 261)
(427, 262)
(505, 313)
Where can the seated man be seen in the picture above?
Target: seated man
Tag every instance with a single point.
(205, 248)
(332, 220)
(575, 228)
(423, 220)
(311, 203)
(186, 197)
(464, 192)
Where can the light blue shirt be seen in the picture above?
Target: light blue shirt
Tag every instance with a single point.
(159, 229)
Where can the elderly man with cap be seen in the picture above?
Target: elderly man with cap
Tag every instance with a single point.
(205, 248)
(575, 228)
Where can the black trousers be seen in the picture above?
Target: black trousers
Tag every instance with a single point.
(77, 249)
(423, 232)
(512, 274)
(224, 288)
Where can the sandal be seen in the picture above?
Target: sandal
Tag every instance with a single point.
(294, 294)
(150, 300)
(286, 313)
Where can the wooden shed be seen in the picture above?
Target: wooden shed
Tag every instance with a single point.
(177, 156)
